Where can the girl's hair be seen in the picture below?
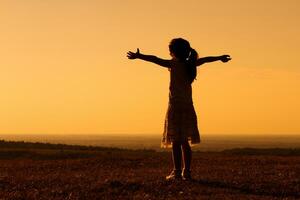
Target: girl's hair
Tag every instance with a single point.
(182, 50)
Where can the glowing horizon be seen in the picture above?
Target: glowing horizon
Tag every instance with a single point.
(64, 67)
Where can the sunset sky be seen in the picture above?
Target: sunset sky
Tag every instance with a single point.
(63, 65)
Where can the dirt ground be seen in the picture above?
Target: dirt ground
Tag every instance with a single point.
(140, 175)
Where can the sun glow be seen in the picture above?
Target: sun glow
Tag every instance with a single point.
(63, 65)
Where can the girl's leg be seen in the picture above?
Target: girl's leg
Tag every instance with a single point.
(187, 157)
(177, 156)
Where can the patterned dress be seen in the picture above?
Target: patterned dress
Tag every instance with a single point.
(181, 118)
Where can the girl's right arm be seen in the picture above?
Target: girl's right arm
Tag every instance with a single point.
(149, 58)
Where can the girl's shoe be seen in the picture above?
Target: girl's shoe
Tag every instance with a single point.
(175, 175)
(186, 175)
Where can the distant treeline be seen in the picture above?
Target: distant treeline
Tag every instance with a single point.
(260, 151)
(42, 151)
(38, 145)
(21, 145)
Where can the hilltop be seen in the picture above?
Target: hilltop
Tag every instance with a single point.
(57, 171)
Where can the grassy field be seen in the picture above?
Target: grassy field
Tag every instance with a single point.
(45, 171)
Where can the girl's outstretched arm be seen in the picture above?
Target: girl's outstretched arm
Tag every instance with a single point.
(149, 58)
(223, 58)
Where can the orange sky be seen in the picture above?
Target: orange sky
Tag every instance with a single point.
(63, 65)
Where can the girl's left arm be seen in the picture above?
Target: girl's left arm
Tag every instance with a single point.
(223, 58)
(149, 58)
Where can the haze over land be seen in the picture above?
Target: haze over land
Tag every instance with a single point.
(214, 142)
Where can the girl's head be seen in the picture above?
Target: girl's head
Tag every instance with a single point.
(181, 49)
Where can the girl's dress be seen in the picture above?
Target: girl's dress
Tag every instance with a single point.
(181, 118)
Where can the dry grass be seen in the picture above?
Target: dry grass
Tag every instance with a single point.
(117, 174)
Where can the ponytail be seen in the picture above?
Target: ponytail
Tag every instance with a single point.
(191, 65)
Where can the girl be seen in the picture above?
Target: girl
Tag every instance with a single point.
(181, 121)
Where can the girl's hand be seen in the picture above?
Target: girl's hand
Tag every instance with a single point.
(132, 55)
(225, 58)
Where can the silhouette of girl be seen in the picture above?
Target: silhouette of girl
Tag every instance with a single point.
(180, 127)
